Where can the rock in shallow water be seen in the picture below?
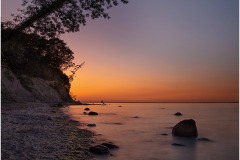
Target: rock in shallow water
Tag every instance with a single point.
(99, 149)
(178, 114)
(110, 145)
(204, 139)
(185, 128)
(164, 134)
(92, 113)
(86, 109)
(178, 144)
(91, 125)
(136, 117)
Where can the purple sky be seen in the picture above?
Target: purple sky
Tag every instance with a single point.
(158, 50)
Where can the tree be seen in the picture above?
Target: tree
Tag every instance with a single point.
(50, 18)
(73, 72)
(55, 52)
(31, 47)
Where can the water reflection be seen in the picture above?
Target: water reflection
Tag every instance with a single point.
(149, 136)
(188, 151)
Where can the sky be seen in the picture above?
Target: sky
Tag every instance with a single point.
(157, 51)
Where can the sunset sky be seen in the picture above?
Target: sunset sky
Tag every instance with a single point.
(155, 51)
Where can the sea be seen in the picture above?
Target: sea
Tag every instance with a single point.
(143, 131)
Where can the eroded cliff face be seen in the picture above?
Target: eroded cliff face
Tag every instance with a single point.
(28, 89)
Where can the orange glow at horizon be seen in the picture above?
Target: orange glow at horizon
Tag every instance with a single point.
(173, 55)
(125, 80)
(105, 77)
(91, 86)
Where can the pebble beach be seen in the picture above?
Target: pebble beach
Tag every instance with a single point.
(42, 131)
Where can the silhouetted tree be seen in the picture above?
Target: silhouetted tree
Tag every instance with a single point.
(49, 18)
(73, 72)
(31, 47)
(55, 52)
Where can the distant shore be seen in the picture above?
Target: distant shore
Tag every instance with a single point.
(39, 131)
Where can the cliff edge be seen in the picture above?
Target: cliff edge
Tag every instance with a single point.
(24, 88)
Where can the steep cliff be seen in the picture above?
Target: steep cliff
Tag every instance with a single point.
(25, 88)
(32, 69)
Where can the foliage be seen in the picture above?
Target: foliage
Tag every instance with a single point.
(31, 47)
(75, 69)
(49, 18)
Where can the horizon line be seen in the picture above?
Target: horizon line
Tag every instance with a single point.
(170, 102)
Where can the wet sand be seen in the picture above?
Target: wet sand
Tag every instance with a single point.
(39, 131)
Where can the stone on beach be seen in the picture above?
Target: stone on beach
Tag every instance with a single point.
(60, 104)
(77, 123)
(99, 149)
(86, 109)
(92, 113)
(185, 128)
(57, 105)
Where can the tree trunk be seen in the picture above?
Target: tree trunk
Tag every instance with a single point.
(44, 12)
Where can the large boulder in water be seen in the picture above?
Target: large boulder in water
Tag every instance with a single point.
(185, 128)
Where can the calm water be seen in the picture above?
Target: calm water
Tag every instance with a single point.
(141, 139)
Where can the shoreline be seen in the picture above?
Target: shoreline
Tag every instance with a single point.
(40, 131)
